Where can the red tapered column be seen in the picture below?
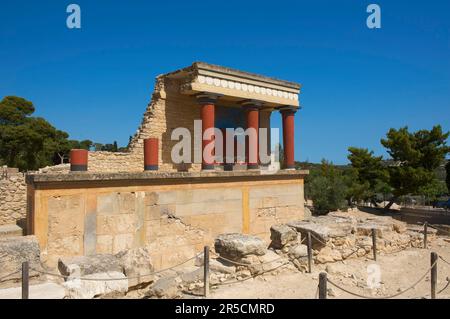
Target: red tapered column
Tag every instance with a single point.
(78, 160)
(151, 157)
(288, 137)
(207, 103)
(252, 143)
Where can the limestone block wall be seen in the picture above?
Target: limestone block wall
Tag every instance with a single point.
(175, 219)
(13, 196)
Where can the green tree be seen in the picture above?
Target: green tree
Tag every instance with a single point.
(371, 175)
(326, 188)
(447, 177)
(416, 156)
(28, 142)
(433, 190)
(356, 190)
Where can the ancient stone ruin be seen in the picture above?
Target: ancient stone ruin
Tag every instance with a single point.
(116, 224)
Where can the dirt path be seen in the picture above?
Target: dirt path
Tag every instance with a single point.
(398, 271)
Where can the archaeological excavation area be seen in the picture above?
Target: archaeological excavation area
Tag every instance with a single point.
(138, 224)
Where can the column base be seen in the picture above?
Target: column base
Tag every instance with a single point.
(290, 167)
(150, 167)
(207, 167)
(228, 167)
(78, 168)
(252, 166)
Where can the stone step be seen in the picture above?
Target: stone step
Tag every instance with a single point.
(10, 230)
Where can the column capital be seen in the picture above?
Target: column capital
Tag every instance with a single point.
(207, 98)
(252, 104)
(288, 110)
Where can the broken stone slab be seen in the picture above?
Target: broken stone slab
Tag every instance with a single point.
(259, 264)
(167, 287)
(16, 250)
(382, 226)
(281, 235)
(339, 225)
(192, 276)
(328, 255)
(365, 229)
(114, 282)
(321, 232)
(234, 246)
(87, 265)
(217, 265)
(136, 265)
(299, 251)
(271, 261)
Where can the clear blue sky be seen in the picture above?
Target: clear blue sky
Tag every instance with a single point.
(95, 82)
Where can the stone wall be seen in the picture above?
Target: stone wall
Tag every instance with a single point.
(177, 218)
(13, 196)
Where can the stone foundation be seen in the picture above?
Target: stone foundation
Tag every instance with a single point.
(176, 214)
(340, 236)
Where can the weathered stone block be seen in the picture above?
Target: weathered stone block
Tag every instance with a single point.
(86, 265)
(90, 233)
(236, 246)
(127, 203)
(151, 198)
(281, 235)
(321, 232)
(136, 264)
(87, 289)
(152, 212)
(104, 244)
(14, 251)
(108, 204)
(165, 288)
(122, 242)
(298, 251)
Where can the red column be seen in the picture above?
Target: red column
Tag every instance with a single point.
(252, 144)
(151, 158)
(78, 160)
(207, 103)
(288, 137)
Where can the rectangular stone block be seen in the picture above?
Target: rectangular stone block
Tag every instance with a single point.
(104, 244)
(66, 215)
(59, 245)
(122, 242)
(127, 203)
(116, 224)
(269, 201)
(90, 233)
(108, 204)
(167, 197)
(152, 212)
(151, 198)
